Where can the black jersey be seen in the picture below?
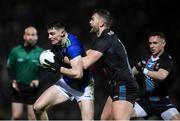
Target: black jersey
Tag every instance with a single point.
(157, 88)
(115, 59)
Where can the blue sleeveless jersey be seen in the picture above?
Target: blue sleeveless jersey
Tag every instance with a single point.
(72, 49)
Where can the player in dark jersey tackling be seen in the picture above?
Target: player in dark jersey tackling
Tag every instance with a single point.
(156, 68)
(75, 82)
(110, 49)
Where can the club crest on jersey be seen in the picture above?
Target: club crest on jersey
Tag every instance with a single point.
(110, 33)
(157, 66)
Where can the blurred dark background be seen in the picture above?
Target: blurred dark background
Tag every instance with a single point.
(133, 19)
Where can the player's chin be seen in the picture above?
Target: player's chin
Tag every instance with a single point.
(154, 53)
(93, 30)
(54, 42)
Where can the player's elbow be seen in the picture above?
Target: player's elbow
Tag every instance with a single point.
(162, 77)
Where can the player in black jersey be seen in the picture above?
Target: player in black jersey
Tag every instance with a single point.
(156, 69)
(110, 49)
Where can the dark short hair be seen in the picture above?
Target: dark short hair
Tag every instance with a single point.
(104, 14)
(158, 33)
(57, 24)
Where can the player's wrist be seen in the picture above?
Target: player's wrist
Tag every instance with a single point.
(145, 71)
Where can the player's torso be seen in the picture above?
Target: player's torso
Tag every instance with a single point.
(155, 88)
(72, 49)
(115, 58)
(26, 64)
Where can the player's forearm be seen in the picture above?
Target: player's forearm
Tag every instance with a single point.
(86, 63)
(92, 57)
(72, 73)
(156, 75)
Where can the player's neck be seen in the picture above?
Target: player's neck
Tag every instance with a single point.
(101, 31)
(159, 54)
(63, 42)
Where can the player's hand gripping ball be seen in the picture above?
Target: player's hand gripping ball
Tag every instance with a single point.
(48, 55)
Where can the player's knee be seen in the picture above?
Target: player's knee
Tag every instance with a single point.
(176, 117)
(37, 108)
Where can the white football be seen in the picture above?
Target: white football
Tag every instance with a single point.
(48, 55)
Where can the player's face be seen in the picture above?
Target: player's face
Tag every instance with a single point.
(94, 23)
(156, 44)
(55, 35)
(30, 36)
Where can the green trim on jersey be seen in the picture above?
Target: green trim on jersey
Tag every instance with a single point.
(24, 65)
(68, 42)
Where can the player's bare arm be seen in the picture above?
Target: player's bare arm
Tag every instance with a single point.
(161, 74)
(91, 58)
(76, 70)
(88, 51)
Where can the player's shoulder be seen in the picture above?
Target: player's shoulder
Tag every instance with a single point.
(18, 47)
(166, 56)
(106, 35)
(72, 40)
(166, 59)
(39, 48)
(72, 37)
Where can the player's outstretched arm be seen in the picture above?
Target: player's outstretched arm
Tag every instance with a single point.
(91, 58)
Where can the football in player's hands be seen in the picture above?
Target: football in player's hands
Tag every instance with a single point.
(46, 55)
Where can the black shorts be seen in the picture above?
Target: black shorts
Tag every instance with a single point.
(125, 91)
(157, 107)
(26, 95)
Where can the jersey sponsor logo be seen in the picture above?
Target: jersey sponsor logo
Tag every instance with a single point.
(157, 66)
(150, 64)
(110, 33)
(115, 96)
(34, 61)
(20, 59)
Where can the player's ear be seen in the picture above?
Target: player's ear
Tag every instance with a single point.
(101, 23)
(63, 33)
(163, 42)
(37, 37)
(24, 36)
